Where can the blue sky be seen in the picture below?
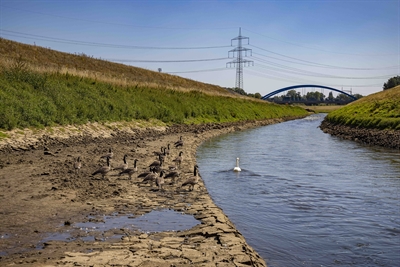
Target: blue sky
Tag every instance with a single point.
(349, 45)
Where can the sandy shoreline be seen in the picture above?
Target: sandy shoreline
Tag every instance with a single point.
(41, 195)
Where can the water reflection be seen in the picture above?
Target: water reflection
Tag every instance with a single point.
(307, 198)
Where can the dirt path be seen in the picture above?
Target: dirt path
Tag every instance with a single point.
(40, 194)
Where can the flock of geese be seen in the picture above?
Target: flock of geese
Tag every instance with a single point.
(157, 171)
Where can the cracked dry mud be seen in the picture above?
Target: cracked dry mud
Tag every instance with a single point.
(41, 195)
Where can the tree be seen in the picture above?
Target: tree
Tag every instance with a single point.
(392, 82)
(315, 96)
(358, 96)
(343, 97)
(292, 95)
(239, 91)
(330, 96)
(257, 95)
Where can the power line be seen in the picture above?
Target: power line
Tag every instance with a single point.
(314, 74)
(239, 61)
(319, 64)
(194, 71)
(327, 66)
(117, 24)
(75, 42)
(292, 79)
(318, 49)
(167, 61)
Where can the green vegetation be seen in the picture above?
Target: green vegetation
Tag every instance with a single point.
(378, 111)
(392, 82)
(3, 135)
(294, 95)
(33, 97)
(322, 108)
(240, 91)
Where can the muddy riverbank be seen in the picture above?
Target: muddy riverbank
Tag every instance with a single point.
(384, 138)
(43, 197)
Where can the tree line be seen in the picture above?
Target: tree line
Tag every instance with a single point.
(293, 95)
(315, 96)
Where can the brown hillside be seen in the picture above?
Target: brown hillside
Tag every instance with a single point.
(47, 60)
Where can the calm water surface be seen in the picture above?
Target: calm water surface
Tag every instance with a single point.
(305, 198)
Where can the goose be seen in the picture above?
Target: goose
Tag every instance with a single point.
(192, 181)
(124, 166)
(103, 170)
(163, 155)
(178, 159)
(237, 168)
(77, 165)
(158, 153)
(144, 174)
(167, 150)
(160, 180)
(179, 143)
(156, 163)
(130, 171)
(150, 177)
(173, 175)
(110, 154)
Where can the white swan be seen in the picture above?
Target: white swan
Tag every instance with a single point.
(237, 168)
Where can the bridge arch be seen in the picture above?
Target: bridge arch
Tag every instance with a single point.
(305, 86)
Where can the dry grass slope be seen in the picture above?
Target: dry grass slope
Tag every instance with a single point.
(43, 59)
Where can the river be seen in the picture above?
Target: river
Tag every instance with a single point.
(305, 198)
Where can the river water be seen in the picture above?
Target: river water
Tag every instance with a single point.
(305, 198)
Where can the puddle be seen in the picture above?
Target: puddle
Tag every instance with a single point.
(154, 221)
(113, 227)
(58, 237)
(2, 236)
(164, 220)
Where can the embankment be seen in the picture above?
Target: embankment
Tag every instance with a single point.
(373, 120)
(384, 138)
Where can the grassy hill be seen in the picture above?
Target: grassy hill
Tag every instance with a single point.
(45, 60)
(42, 87)
(376, 111)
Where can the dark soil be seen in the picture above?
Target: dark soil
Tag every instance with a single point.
(383, 138)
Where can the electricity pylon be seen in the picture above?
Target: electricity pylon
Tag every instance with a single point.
(239, 62)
